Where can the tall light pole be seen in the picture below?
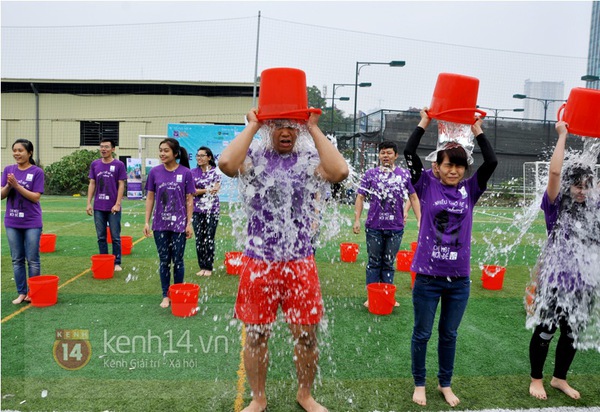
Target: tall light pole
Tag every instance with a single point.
(360, 65)
(338, 85)
(546, 103)
(496, 111)
(333, 99)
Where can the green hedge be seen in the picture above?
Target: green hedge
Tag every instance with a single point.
(69, 175)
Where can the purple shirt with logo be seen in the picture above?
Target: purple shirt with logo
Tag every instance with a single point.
(106, 176)
(22, 213)
(170, 192)
(278, 191)
(445, 229)
(206, 203)
(385, 191)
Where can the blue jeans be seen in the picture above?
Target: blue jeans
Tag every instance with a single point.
(24, 246)
(101, 218)
(205, 228)
(382, 247)
(170, 246)
(427, 292)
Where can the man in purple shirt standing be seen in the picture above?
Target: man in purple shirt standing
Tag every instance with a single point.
(385, 187)
(107, 184)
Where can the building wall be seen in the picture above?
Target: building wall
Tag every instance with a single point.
(543, 90)
(60, 116)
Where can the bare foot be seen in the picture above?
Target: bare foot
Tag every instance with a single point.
(27, 299)
(419, 396)
(19, 299)
(310, 405)
(201, 273)
(450, 397)
(562, 385)
(366, 304)
(396, 304)
(536, 389)
(118, 268)
(207, 272)
(256, 406)
(165, 303)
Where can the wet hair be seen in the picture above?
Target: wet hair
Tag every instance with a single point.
(28, 147)
(578, 174)
(179, 152)
(107, 140)
(209, 153)
(387, 144)
(456, 155)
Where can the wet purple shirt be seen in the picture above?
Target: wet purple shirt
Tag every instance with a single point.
(279, 193)
(170, 192)
(106, 176)
(385, 191)
(22, 213)
(206, 203)
(445, 229)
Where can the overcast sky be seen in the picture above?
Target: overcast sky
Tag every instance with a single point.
(501, 43)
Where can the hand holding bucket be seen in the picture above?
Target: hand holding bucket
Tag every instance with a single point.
(455, 99)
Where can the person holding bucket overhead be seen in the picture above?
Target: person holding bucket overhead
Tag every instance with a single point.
(279, 176)
(206, 208)
(442, 260)
(385, 187)
(565, 279)
(23, 185)
(107, 185)
(170, 187)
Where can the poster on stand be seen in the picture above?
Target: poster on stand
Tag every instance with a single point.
(134, 178)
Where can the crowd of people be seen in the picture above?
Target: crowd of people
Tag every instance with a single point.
(279, 177)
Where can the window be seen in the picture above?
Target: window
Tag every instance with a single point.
(92, 132)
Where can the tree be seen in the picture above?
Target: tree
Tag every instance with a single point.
(315, 98)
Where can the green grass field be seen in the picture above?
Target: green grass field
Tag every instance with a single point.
(145, 359)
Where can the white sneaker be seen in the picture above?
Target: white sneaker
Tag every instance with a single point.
(118, 268)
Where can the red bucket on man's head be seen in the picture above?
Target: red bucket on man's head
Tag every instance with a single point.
(43, 290)
(283, 95)
(126, 245)
(184, 299)
(492, 277)
(234, 263)
(103, 266)
(581, 112)
(348, 252)
(47, 243)
(382, 298)
(404, 259)
(455, 99)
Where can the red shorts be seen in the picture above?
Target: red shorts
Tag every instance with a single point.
(266, 285)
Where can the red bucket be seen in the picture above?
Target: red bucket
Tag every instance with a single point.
(413, 276)
(184, 299)
(47, 243)
(348, 252)
(234, 263)
(413, 246)
(382, 298)
(103, 266)
(108, 235)
(283, 95)
(581, 112)
(404, 259)
(455, 99)
(126, 245)
(43, 290)
(492, 277)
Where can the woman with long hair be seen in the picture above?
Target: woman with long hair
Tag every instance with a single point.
(171, 187)
(23, 185)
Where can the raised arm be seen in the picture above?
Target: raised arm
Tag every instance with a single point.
(556, 162)
(413, 161)
(232, 158)
(490, 162)
(332, 166)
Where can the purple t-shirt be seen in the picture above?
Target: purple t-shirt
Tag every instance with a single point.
(550, 210)
(206, 203)
(22, 213)
(107, 176)
(278, 191)
(445, 229)
(170, 192)
(385, 191)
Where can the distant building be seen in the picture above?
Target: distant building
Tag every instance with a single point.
(593, 67)
(542, 90)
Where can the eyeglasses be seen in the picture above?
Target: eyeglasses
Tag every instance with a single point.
(201, 155)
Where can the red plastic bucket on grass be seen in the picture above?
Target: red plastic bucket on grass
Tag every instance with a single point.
(492, 277)
(103, 266)
(404, 259)
(581, 112)
(413, 246)
(108, 235)
(283, 95)
(184, 299)
(413, 276)
(47, 243)
(382, 298)
(455, 99)
(126, 245)
(348, 252)
(43, 290)
(234, 263)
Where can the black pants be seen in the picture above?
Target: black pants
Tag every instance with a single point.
(539, 345)
(205, 227)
